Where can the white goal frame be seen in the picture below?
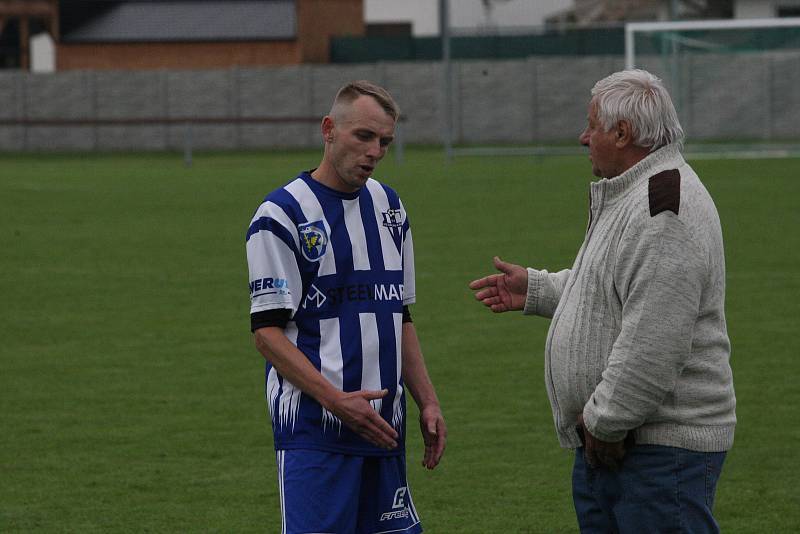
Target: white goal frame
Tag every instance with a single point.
(631, 28)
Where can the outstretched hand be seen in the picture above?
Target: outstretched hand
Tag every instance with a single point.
(503, 292)
(355, 411)
(434, 434)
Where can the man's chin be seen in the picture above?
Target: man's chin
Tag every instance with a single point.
(358, 181)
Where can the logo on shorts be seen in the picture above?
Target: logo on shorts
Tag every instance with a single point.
(313, 240)
(399, 508)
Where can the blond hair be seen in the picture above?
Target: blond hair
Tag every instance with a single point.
(352, 90)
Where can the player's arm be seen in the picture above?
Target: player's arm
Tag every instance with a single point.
(352, 408)
(418, 383)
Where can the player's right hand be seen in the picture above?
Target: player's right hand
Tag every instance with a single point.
(355, 411)
(503, 292)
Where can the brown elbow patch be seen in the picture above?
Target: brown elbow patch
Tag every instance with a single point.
(664, 191)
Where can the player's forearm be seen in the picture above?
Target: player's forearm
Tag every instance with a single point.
(415, 374)
(294, 366)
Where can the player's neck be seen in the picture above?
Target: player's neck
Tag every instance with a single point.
(327, 176)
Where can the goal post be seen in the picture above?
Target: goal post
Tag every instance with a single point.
(678, 27)
(731, 80)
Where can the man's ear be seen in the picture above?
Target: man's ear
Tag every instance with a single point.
(327, 128)
(624, 134)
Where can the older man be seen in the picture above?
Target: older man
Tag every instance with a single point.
(331, 265)
(637, 355)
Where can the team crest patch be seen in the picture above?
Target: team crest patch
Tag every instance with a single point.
(393, 221)
(392, 218)
(313, 240)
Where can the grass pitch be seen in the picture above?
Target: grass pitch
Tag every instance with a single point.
(131, 397)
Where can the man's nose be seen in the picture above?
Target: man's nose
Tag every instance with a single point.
(375, 149)
(584, 138)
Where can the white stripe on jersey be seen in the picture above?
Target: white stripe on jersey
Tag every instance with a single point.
(290, 395)
(409, 285)
(397, 408)
(261, 251)
(391, 256)
(371, 364)
(273, 389)
(355, 229)
(273, 211)
(312, 211)
(331, 363)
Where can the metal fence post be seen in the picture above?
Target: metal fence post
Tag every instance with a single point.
(399, 149)
(187, 144)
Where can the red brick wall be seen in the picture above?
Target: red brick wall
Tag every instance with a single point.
(122, 56)
(319, 20)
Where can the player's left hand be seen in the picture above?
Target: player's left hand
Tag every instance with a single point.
(601, 453)
(434, 434)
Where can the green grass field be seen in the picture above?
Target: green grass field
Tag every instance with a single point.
(131, 396)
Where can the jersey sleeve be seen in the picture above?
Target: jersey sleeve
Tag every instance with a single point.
(409, 285)
(272, 245)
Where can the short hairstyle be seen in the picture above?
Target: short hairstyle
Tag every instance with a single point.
(352, 90)
(641, 99)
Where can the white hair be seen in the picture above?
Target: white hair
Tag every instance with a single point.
(641, 99)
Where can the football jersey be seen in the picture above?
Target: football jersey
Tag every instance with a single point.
(343, 264)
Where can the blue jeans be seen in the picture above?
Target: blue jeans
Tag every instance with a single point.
(657, 490)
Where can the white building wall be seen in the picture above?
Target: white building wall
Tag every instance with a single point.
(43, 53)
(464, 14)
(756, 9)
(422, 14)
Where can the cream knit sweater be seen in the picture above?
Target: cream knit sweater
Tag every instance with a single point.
(638, 340)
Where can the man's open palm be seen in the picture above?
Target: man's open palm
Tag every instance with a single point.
(503, 292)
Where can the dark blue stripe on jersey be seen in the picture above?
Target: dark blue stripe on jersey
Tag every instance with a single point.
(284, 199)
(342, 249)
(350, 335)
(274, 227)
(308, 341)
(371, 231)
(387, 344)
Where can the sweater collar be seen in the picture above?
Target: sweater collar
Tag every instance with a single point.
(666, 157)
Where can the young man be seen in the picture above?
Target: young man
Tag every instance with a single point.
(331, 265)
(637, 356)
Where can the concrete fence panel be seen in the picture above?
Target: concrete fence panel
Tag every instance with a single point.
(532, 100)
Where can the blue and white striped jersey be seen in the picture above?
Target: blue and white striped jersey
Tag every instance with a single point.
(343, 264)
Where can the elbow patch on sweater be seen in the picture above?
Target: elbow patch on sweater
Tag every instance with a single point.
(664, 192)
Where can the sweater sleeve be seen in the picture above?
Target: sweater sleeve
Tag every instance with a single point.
(659, 275)
(544, 291)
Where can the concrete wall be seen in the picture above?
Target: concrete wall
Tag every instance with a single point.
(537, 100)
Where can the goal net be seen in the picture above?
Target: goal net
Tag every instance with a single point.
(734, 82)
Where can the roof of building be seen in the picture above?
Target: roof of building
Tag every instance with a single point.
(198, 20)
